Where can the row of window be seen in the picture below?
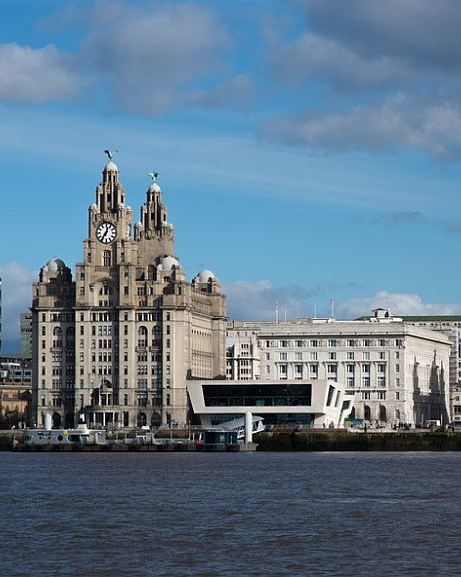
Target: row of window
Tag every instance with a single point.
(332, 343)
(313, 356)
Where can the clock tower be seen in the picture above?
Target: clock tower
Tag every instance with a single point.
(115, 346)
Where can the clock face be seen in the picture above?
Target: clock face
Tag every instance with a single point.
(106, 232)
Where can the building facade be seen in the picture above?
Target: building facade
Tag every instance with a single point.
(0, 315)
(25, 324)
(397, 372)
(15, 391)
(115, 345)
(318, 403)
(450, 325)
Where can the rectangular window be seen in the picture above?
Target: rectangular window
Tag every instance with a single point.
(313, 356)
(366, 396)
(366, 356)
(350, 356)
(298, 356)
(332, 356)
(331, 391)
(283, 356)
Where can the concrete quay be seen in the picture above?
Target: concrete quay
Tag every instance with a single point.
(339, 440)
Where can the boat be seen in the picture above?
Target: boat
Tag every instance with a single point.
(80, 436)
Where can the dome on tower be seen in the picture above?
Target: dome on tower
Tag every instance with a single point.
(168, 262)
(154, 187)
(205, 275)
(111, 167)
(55, 265)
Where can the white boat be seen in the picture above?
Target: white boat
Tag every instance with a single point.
(55, 437)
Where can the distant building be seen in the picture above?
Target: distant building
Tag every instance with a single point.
(26, 334)
(397, 372)
(116, 345)
(0, 315)
(450, 325)
(15, 391)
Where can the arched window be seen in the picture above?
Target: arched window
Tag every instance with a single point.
(57, 338)
(142, 337)
(366, 413)
(382, 413)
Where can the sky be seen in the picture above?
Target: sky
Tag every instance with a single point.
(307, 150)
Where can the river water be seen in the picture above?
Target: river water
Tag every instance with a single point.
(230, 514)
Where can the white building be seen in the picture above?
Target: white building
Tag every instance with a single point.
(450, 326)
(397, 372)
(315, 404)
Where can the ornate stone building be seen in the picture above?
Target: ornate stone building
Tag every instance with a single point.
(396, 372)
(117, 344)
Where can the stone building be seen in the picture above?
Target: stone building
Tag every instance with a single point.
(115, 345)
(15, 391)
(450, 325)
(25, 324)
(397, 372)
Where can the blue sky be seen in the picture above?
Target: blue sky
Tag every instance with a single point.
(307, 149)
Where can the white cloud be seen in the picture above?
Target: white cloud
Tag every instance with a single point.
(155, 57)
(259, 300)
(421, 31)
(404, 304)
(394, 123)
(314, 57)
(28, 75)
(16, 297)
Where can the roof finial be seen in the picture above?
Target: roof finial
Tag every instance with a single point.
(110, 153)
(153, 175)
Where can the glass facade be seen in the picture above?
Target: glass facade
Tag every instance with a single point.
(257, 395)
(271, 420)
